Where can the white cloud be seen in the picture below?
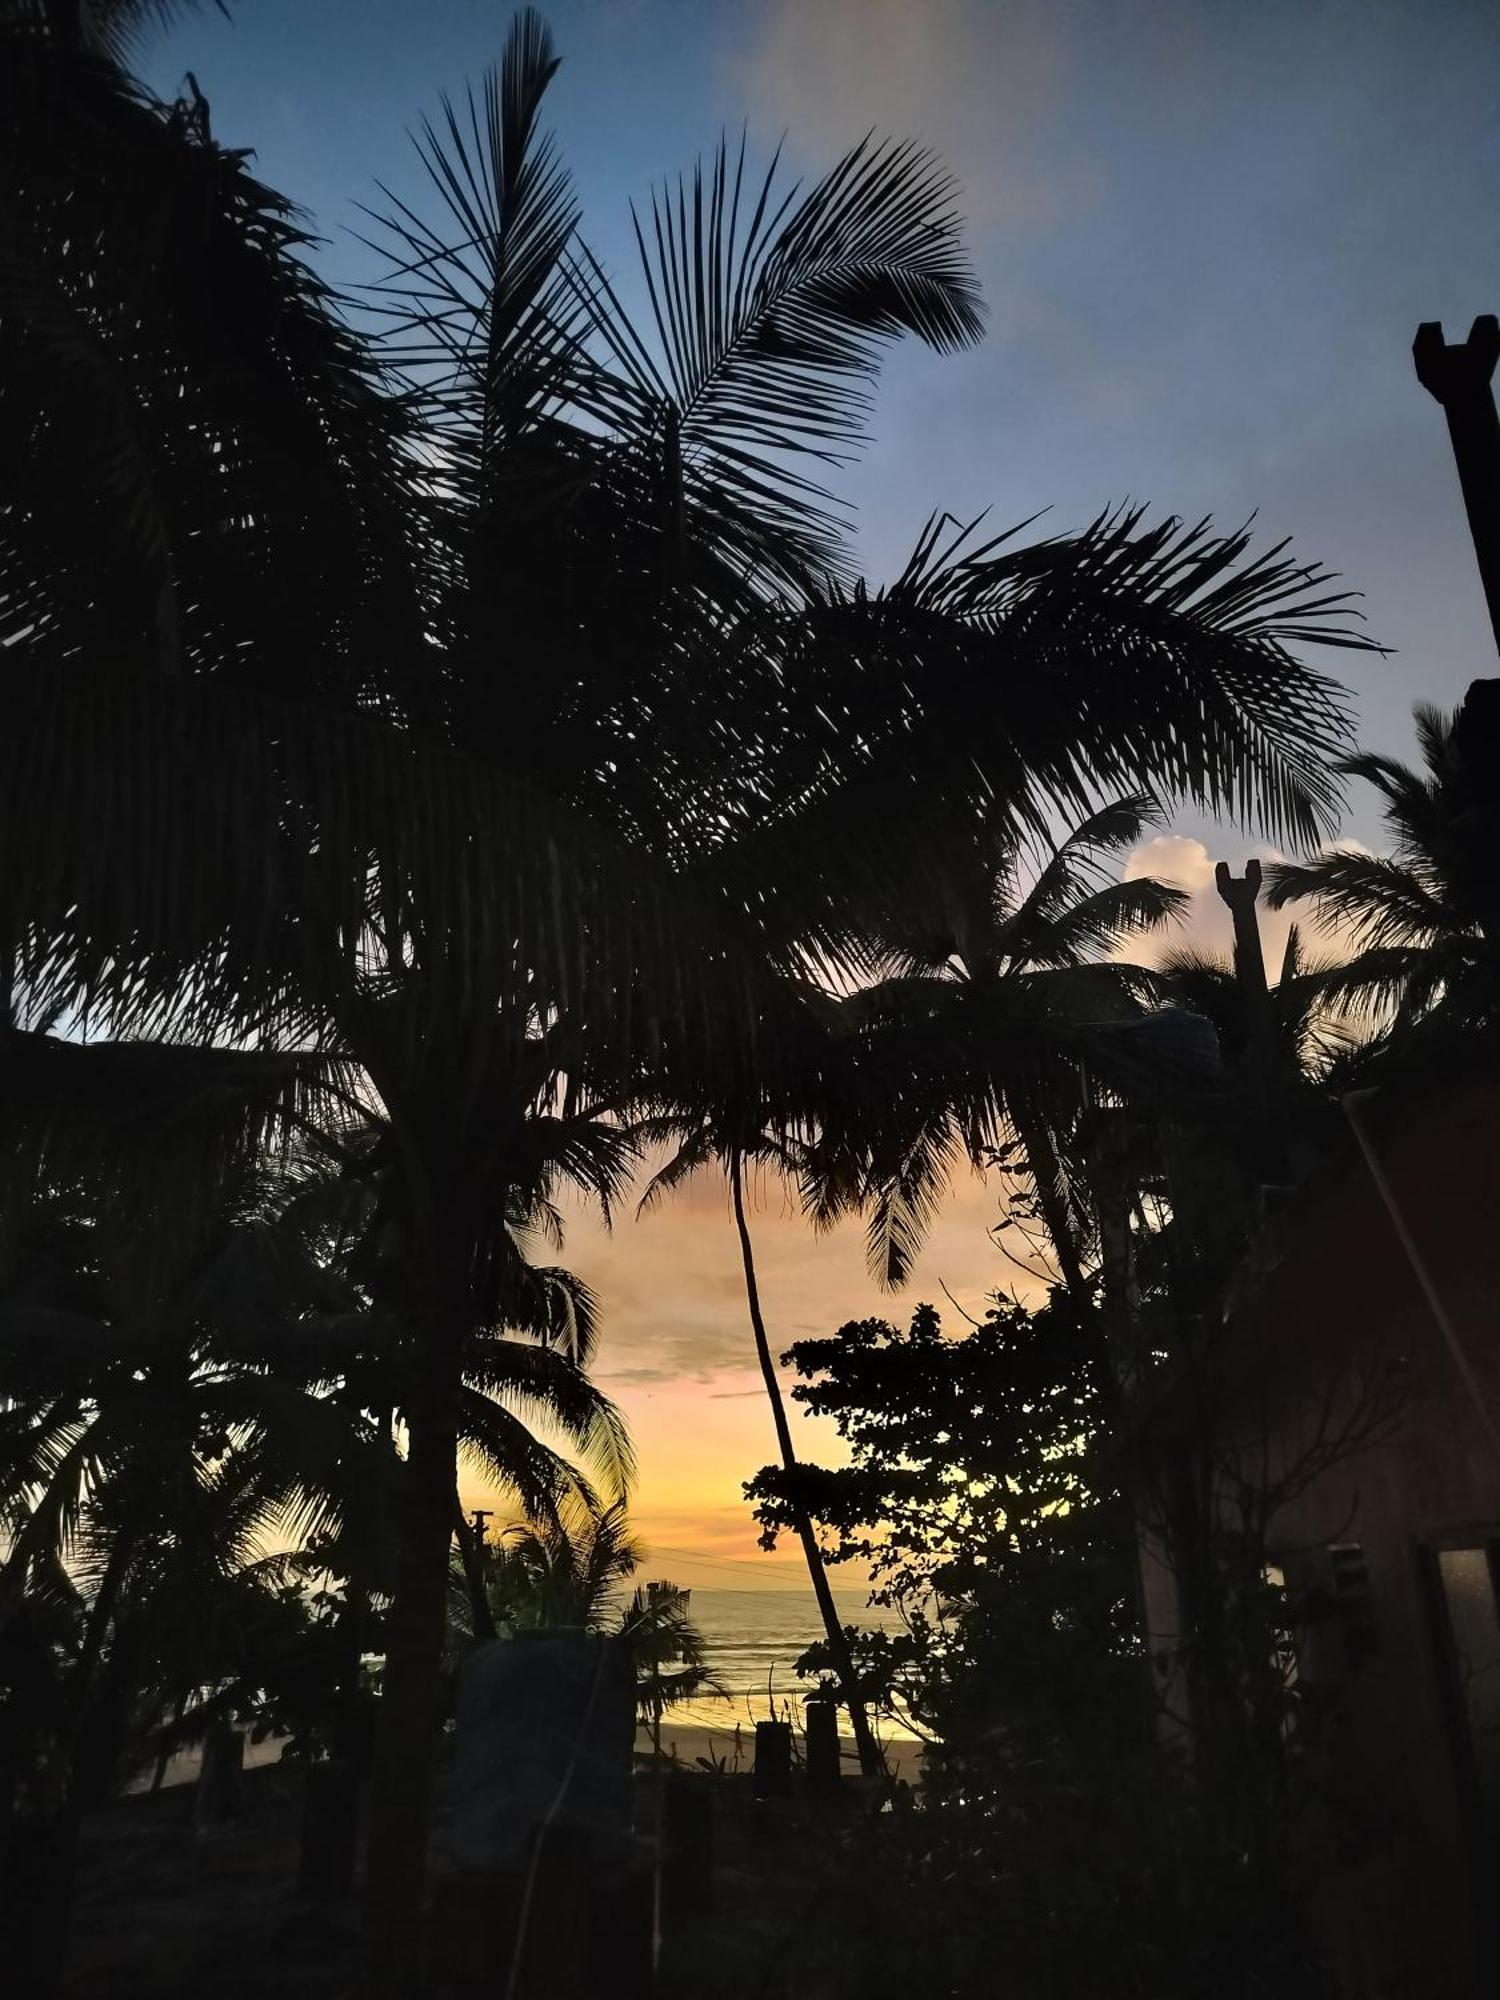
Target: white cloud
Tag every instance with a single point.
(1188, 864)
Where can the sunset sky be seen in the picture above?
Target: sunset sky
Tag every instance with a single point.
(1207, 234)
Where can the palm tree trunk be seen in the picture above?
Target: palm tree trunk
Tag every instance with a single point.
(39, 1865)
(407, 1713)
(164, 1755)
(481, 1618)
(871, 1762)
(350, 1727)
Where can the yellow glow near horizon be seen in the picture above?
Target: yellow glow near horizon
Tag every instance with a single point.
(676, 1352)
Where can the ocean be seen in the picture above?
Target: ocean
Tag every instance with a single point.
(754, 1638)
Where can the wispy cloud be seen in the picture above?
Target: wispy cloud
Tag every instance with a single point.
(979, 80)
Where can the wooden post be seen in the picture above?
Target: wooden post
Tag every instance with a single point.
(773, 1760)
(1459, 377)
(1240, 894)
(1265, 1059)
(823, 1770)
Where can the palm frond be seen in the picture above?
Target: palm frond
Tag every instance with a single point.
(184, 416)
(1039, 676)
(547, 1387)
(1086, 860)
(164, 1131)
(555, 1306)
(1376, 900)
(696, 1152)
(510, 1457)
(769, 311)
(907, 1199)
(1094, 924)
(478, 316)
(110, 28)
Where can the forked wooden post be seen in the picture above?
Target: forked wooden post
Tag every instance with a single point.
(1460, 377)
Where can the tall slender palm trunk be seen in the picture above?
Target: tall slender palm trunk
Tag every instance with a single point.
(871, 1761)
(401, 1788)
(39, 1850)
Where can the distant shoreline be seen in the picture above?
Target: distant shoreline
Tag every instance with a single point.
(692, 1740)
(687, 1740)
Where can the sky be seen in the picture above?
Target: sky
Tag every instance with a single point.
(1207, 231)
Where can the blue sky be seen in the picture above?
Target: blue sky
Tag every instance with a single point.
(1207, 233)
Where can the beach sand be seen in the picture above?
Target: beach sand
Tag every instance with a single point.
(687, 1742)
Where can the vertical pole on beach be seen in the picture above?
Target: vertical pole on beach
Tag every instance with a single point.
(1460, 376)
(773, 1760)
(822, 1722)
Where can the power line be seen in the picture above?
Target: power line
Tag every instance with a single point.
(728, 1562)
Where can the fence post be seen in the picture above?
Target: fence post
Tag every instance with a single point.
(773, 1760)
(823, 1767)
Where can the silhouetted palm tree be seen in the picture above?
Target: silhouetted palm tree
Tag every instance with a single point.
(569, 1571)
(780, 1137)
(1422, 923)
(563, 1571)
(997, 1022)
(671, 1659)
(1311, 1044)
(165, 1410)
(471, 704)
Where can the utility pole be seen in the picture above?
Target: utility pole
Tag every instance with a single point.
(1460, 378)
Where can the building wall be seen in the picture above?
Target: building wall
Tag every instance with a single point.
(1337, 1380)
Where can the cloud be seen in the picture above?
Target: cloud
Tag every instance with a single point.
(977, 81)
(1207, 926)
(996, 92)
(676, 1348)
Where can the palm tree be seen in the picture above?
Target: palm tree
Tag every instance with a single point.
(781, 1136)
(1423, 922)
(1309, 1044)
(1001, 983)
(671, 1660)
(871, 1759)
(565, 1570)
(181, 1402)
(1009, 1008)
(485, 737)
(568, 1571)
(162, 1628)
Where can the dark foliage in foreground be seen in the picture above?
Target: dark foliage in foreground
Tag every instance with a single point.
(1053, 1835)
